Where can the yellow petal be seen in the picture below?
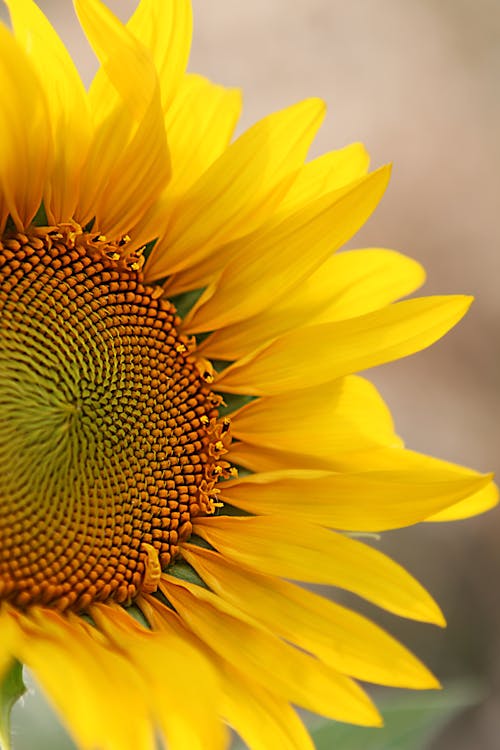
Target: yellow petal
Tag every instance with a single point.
(273, 261)
(478, 502)
(262, 719)
(164, 28)
(25, 139)
(67, 104)
(346, 415)
(381, 458)
(92, 687)
(262, 716)
(8, 640)
(128, 163)
(157, 656)
(258, 458)
(314, 179)
(366, 280)
(239, 191)
(199, 126)
(289, 548)
(266, 659)
(366, 501)
(346, 285)
(319, 353)
(329, 172)
(336, 635)
(127, 71)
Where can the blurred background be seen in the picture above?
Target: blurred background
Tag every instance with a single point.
(417, 82)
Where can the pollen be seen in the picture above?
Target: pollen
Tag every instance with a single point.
(110, 438)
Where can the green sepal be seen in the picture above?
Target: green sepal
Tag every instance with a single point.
(233, 401)
(185, 301)
(40, 219)
(12, 687)
(138, 616)
(185, 572)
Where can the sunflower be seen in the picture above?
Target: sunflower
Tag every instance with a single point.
(182, 432)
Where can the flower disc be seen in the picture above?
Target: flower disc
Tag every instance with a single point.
(109, 439)
(117, 578)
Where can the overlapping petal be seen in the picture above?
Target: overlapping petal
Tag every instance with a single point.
(289, 252)
(304, 357)
(289, 548)
(158, 656)
(68, 111)
(199, 127)
(322, 175)
(239, 191)
(345, 286)
(340, 417)
(312, 181)
(26, 149)
(52, 647)
(363, 501)
(164, 28)
(259, 715)
(341, 638)
(264, 657)
(370, 458)
(478, 502)
(128, 163)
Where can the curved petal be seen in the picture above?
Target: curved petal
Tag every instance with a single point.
(258, 715)
(98, 693)
(25, 139)
(346, 415)
(164, 27)
(314, 179)
(389, 459)
(377, 458)
(345, 286)
(289, 548)
(478, 502)
(67, 104)
(128, 163)
(329, 172)
(366, 501)
(262, 719)
(336, 635)
(318, 353)
(199, 126)
(157, 655)
(273, 261)
(265, 658)
(239, 191)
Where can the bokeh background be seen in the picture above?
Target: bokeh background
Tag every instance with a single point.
(417, 82)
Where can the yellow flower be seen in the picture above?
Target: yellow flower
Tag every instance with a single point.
(142, 579)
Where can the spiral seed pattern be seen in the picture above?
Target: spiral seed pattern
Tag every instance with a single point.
(110, 441)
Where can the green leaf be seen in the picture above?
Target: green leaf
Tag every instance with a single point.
(410, 722)
(11, 689)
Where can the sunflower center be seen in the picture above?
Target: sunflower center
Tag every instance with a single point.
(110, 441)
